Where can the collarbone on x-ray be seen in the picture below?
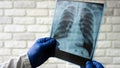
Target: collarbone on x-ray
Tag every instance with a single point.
(77, 27)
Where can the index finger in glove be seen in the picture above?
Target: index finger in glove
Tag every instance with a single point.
(97, 64)
(50, 42)
(89, 64)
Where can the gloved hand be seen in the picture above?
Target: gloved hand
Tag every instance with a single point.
(41, 51)
(93, 64)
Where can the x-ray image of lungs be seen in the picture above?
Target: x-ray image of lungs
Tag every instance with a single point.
(89, 25)
(66, 22)
(76, 26)
(86, 27)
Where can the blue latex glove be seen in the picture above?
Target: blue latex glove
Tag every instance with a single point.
(41, 51)
(93, 64)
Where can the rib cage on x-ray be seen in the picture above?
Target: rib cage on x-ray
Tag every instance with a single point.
(77, 23)
(66, 22)
(86, 27)
(88, 24)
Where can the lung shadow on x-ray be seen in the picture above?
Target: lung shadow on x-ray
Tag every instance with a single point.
(89, 24)
(86, 27)
(66, 22)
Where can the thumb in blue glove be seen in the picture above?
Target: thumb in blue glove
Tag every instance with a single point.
(93, 64)
(41, 51)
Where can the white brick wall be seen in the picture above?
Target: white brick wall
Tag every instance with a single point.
(1, 44)
(5, 4)
(5, 52)
(15, 44)
(37, 12)
(37, 28)
(1, 28)
(1, 12)
(24, 4)
(5, 20)
(23, 36)
(14, 28)
(24, 21)
(5, 36)
(14, 12)
(43, 3)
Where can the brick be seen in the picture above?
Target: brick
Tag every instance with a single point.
(19, 51)
(117, 4)
(37, 28)
(41, 35)
(15, 44)
(104, 44)
(116, 44)
(5, 36)
(1, 44)
(14, 28)
(1, 28)
(5, 51)
(104, 60)
(44, 20)
(1, 12)
(106, 28)
(94, 1)
(24, 4)
(112, 4)
(51, 4)
(109, 12)
(14, 12)
(37, 12)
(116, 60)
(117, 12)
(113, 66)
(30, 43)
(113, 20)
(1, 60)
(116, 28)
(5, 20)
(23, 36)
(101, 36)
(113, 52)
(100, 52)
(103, 20)
(23, 20)
(113, 36)
(42, 4)
(51, 13)
(5, 4)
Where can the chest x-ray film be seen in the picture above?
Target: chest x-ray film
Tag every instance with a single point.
(76, 26)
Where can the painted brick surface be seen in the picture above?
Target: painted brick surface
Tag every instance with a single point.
(22, 22)
(5, 4)
(5, 20)
(14, 12)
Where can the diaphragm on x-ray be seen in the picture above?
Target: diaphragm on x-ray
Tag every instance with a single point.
(76, 26)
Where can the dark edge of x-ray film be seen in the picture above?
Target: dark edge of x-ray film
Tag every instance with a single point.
(71, 58)
(60, 30)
